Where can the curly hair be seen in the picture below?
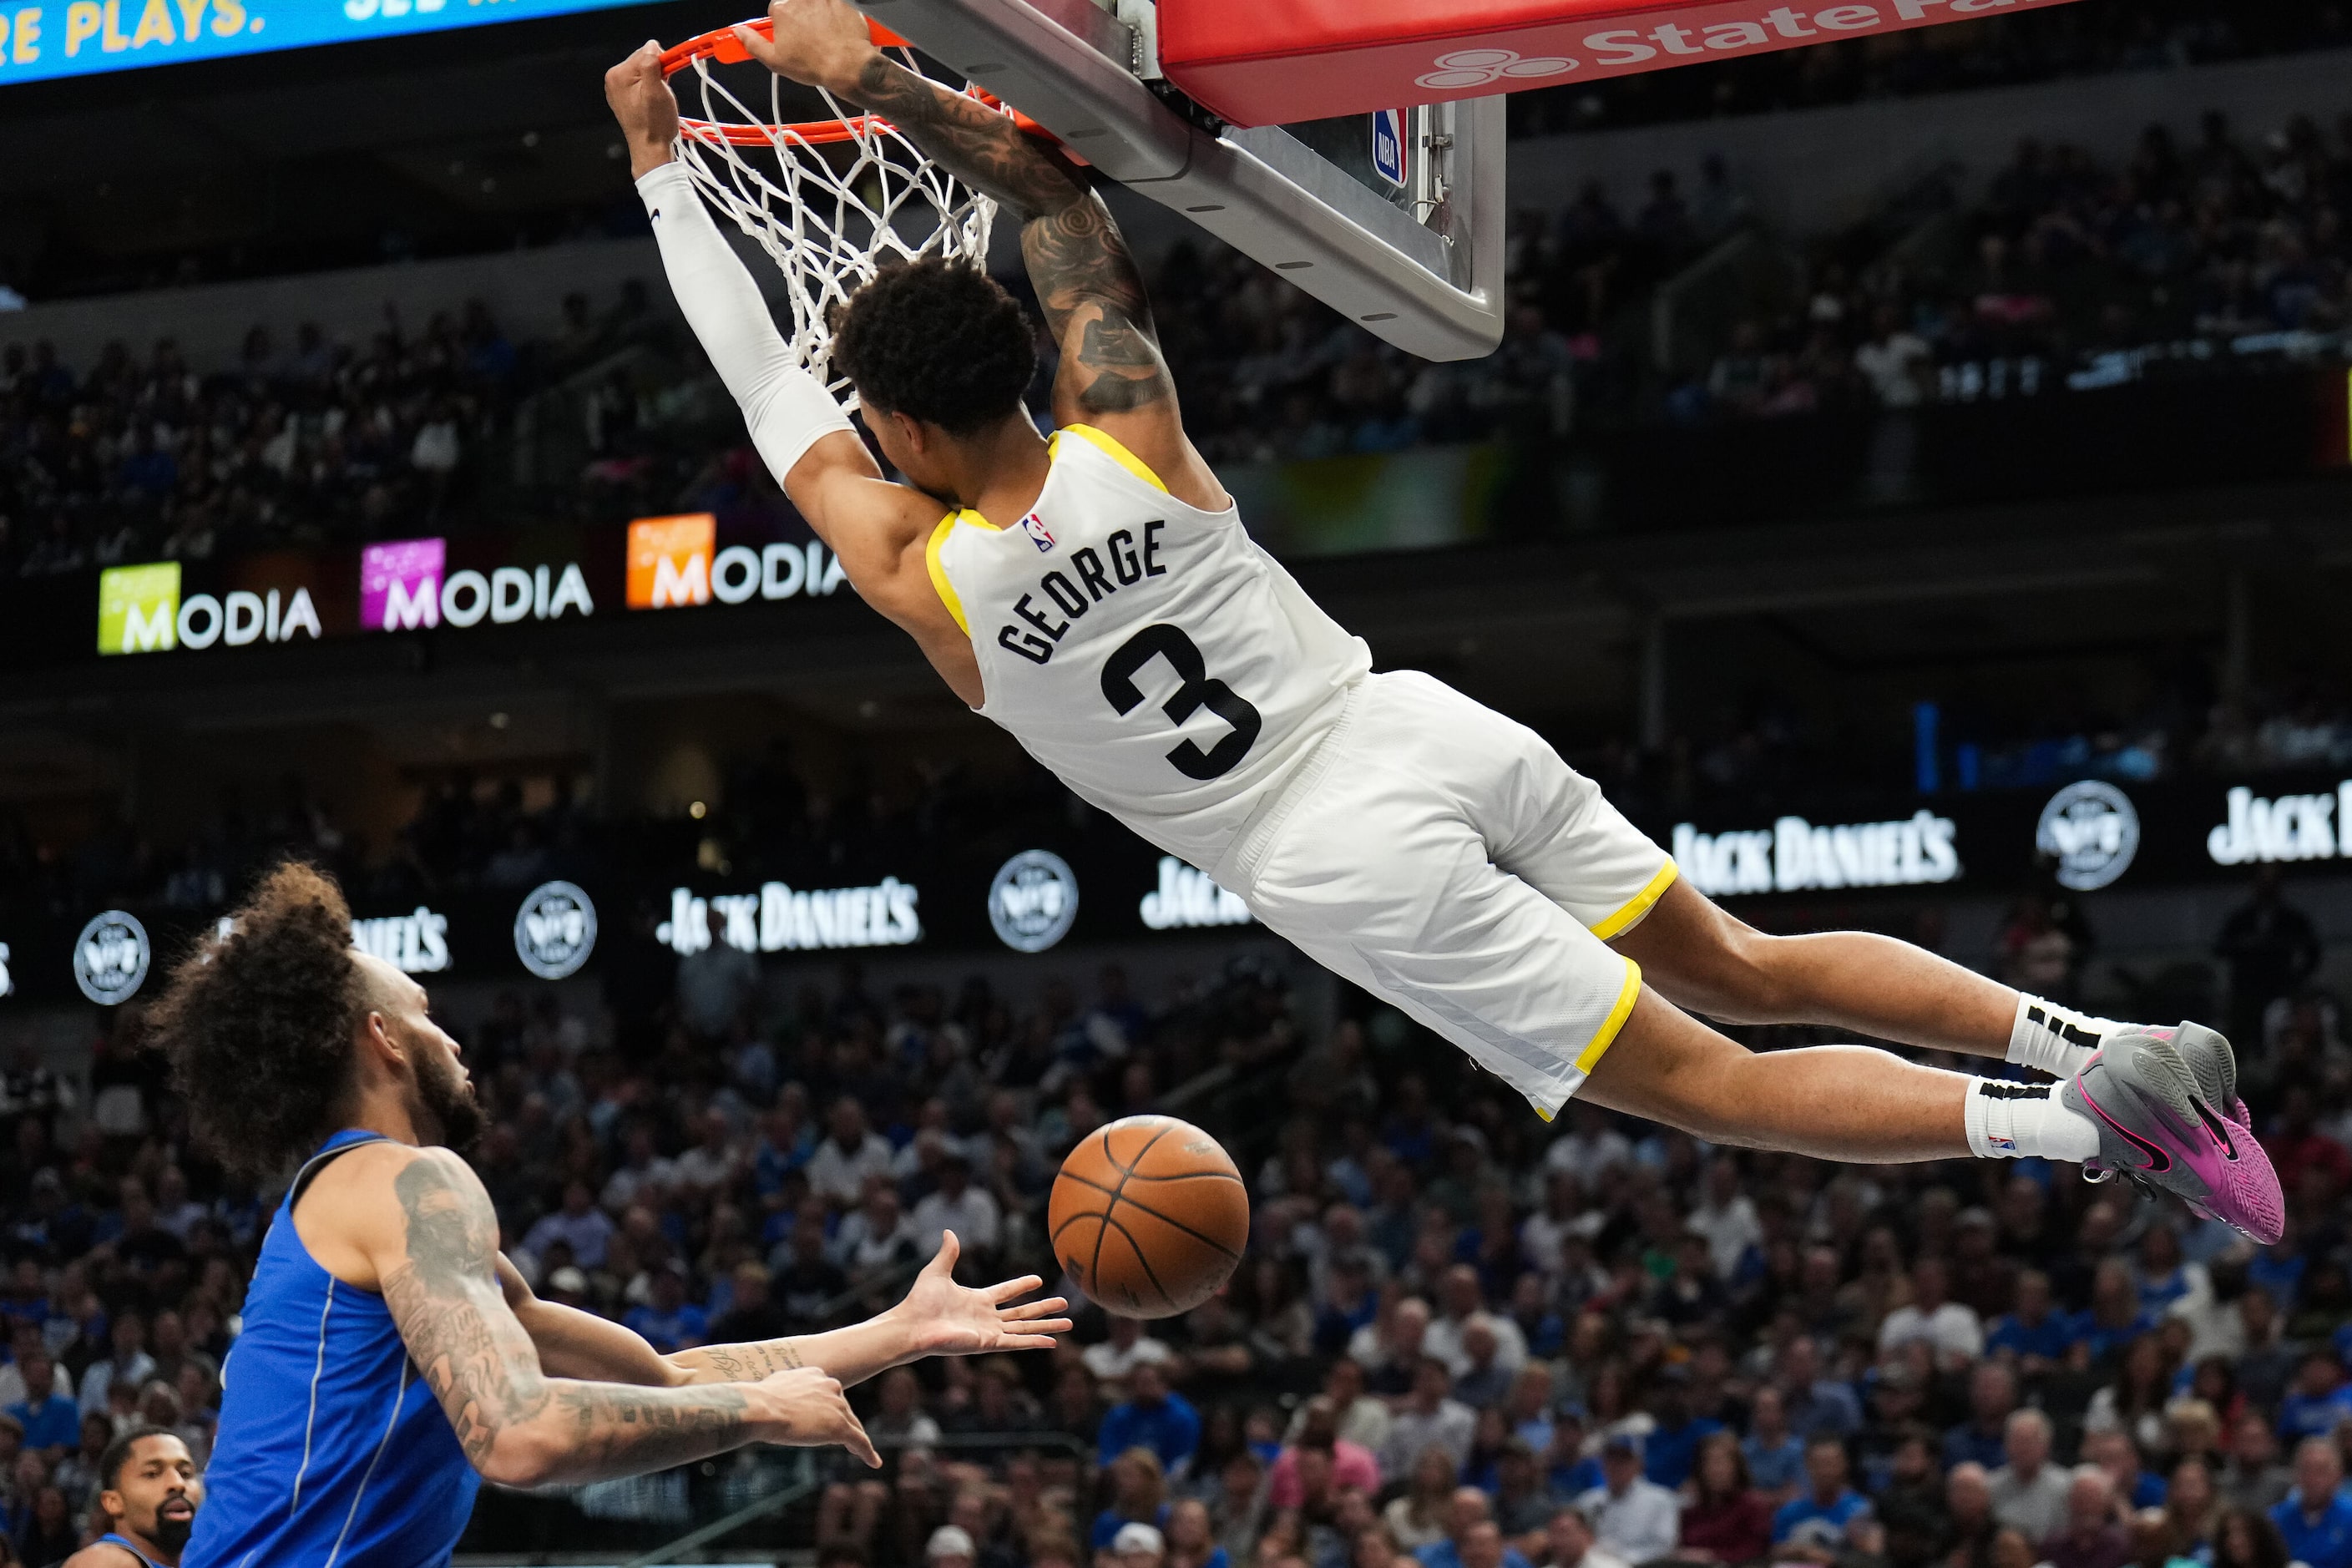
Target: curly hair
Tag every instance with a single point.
(936, 341)
(257, 1024)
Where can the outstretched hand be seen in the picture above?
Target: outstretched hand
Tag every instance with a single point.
(641, 100)
(817, 43)
(948, 1318)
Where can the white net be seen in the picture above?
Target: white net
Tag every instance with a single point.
(833, 196)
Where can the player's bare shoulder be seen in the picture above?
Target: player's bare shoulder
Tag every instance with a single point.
(360, 1212)
(104, 1554)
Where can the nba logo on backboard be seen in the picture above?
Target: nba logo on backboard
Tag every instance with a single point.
(1034, 527)
(1388, 145)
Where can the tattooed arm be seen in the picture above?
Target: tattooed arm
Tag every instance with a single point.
(431, 1245)
(1112, 374)
(938, 1317)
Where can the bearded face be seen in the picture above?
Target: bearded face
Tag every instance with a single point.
(157, 1492)
(445, 1096)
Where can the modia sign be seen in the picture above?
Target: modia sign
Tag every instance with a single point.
(140, 610)
(675, 563)
(406, 583)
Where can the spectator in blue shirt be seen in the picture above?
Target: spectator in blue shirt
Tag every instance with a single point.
(2039, 1333)
(1481, 1546)
(2316, 1519)
(1816, 1403)
(1569, 1470)
(2320, 1400)
(1672, 1448)
(2115, 1452)
(669, 1322)
(1775, 1454)
(2116, 1318)
(1819, 1514)
(51, 1420)
(2279, 1268)
(1139, 1496)
(1152, 1416)
(1992, 1394)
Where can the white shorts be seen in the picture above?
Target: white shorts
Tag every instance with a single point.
(1442, 857)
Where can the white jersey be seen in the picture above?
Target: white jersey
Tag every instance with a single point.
(1147, 653)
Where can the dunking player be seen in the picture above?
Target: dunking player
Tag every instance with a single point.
(148, 1492)
(390, 1354)
(1096, 595)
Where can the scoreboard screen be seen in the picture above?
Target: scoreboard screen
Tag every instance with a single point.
(40, 39)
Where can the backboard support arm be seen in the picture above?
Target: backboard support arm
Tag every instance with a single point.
(1431, 285)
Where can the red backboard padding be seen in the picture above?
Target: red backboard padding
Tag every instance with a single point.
(1266, 62)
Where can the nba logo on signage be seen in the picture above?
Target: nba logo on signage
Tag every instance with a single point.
(1388, 145)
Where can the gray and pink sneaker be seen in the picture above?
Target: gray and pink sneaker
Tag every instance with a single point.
(2163, 1124)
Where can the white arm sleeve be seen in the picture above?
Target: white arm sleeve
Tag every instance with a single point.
(784, 407)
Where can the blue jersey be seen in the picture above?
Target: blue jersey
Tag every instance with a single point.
(331, 1451)
(110, 1539)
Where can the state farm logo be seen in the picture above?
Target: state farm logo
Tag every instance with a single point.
(555, 929)
(111, 957)
(1485, 68)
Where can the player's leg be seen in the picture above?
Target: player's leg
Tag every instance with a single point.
(2135, 1108)
(1553, 828)
(1392, 871)
(1712, 962)
(1834, 1103)
(1694, 952)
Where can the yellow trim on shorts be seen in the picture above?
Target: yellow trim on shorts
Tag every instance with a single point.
(1630, 994)
(937, 568)
(1639, 904)
(1610, 1027)
(1115, 452)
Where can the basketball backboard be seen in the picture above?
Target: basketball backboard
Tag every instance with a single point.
(1394, 219)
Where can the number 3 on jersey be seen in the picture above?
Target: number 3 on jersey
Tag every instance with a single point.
(1200, 689)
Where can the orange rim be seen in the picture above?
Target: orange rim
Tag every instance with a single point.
(721, 46)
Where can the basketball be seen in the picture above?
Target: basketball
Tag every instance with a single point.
(1150, 1216)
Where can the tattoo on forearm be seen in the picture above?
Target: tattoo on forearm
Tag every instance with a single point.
(1076, 255)
(974, 143)
(481, 1364)
(751, 1363)
(628, 1431)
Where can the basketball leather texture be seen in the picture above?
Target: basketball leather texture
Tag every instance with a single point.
(1148, 1216)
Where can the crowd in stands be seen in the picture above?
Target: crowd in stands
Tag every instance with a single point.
(305, 440)
(2069, 271)
(2065, 273)
(1461, 1336)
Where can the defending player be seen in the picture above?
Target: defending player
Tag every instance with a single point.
(1096, 595)
(149, 1490)
(391, 1355)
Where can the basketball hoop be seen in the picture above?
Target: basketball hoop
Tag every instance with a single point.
(831, 200)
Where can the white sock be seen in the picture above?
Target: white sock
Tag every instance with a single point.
(2019, 1121)
(2053, 1039)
